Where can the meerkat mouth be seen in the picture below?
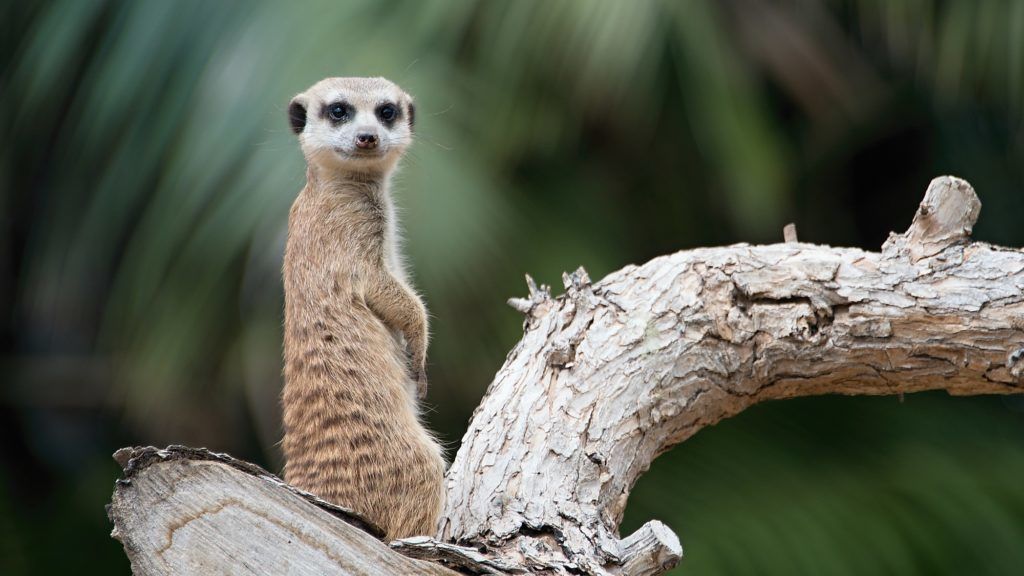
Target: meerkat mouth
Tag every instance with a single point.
(359, 154)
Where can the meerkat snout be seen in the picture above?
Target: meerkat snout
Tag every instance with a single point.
(366, 141)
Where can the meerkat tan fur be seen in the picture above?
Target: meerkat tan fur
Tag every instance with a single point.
(355, 339)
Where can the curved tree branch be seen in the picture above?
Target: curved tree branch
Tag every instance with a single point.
(612, 374)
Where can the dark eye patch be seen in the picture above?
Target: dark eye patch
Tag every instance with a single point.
(388, 113)
(337, 112)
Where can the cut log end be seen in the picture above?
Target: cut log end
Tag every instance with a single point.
(190, 511)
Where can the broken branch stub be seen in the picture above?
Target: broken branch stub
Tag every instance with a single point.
(945, 217)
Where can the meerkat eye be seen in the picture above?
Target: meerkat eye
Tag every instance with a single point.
(337, 111)
(387, 112)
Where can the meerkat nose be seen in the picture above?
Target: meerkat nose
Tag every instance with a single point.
(366, 141)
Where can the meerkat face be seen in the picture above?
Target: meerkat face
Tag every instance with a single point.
(353, 124)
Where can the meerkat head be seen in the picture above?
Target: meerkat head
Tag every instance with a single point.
(353, 125)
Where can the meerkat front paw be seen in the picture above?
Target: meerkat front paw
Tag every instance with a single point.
(418, 369)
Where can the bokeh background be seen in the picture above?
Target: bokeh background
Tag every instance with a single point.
(147, 170)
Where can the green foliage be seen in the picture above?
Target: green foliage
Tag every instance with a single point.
(147, 170)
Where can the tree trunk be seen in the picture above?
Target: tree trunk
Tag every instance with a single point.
(606, 378)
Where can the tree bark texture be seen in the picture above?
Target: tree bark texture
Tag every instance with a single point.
(612, 374)
(190, 511)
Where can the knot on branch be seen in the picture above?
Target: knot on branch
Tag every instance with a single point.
(1015, 363)
(576, 282)
(575, 318)
(537, 302)
(945, 217)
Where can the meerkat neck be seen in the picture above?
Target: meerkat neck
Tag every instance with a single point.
(367, 197)
(376, 184)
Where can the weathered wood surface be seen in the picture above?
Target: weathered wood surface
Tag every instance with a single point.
(190, 511)
(614, 373)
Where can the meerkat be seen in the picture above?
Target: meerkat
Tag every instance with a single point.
(355, 332)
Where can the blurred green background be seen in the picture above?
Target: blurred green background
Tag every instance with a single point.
(147, 169)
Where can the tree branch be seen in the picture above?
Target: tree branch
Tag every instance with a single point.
(606, 378)
(613, 374)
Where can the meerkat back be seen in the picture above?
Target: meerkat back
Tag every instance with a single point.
(355, 335)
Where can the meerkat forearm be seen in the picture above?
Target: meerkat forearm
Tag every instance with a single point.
(352, 429)
(402, 311)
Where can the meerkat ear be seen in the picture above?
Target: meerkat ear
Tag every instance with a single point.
(412, 115)
(297, 114)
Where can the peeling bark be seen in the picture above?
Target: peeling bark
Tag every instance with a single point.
(614, 373)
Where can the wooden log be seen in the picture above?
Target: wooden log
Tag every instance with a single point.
(191, 511)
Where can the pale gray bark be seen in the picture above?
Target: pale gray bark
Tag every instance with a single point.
(190, 511)
(612, 374)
